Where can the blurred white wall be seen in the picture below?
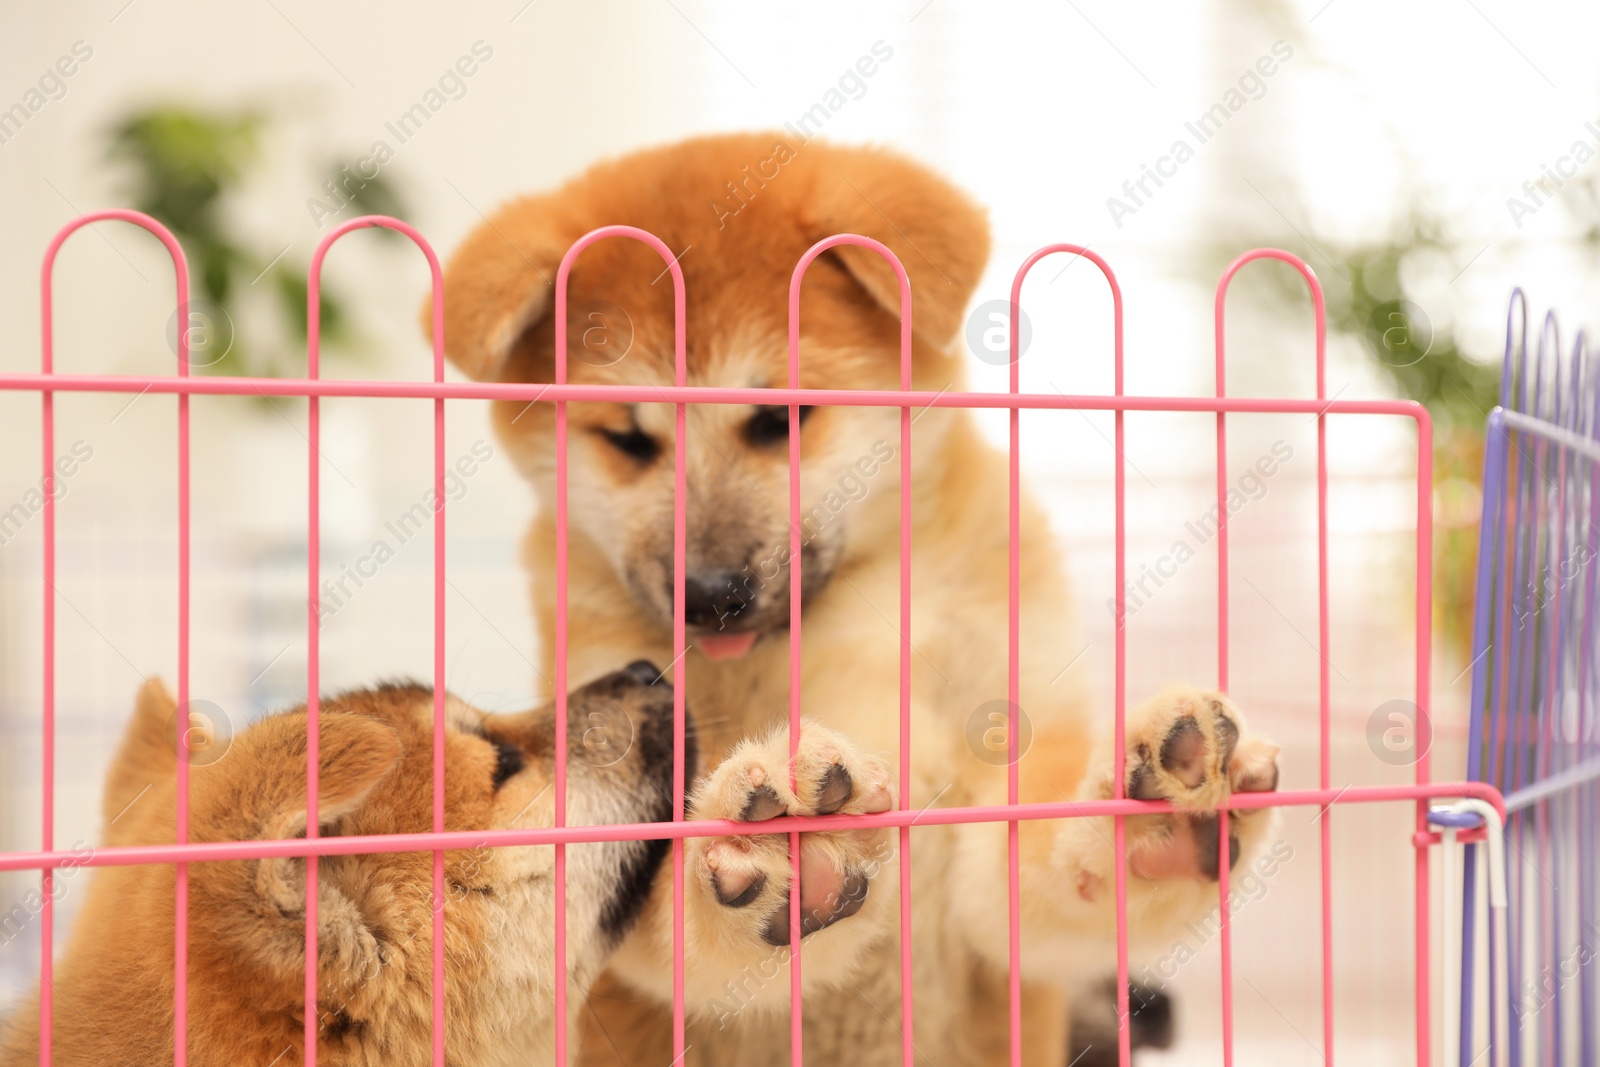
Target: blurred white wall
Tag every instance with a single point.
(1042, 110)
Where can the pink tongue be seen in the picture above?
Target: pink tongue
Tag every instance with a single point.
(726, 646)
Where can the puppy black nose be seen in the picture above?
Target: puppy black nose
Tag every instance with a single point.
(644, 671)
(714, 598)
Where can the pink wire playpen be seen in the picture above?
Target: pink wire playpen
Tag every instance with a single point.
(1423, 790)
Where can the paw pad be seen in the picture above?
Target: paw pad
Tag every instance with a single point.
(834, 789)
(834, 906)
(762, 804)
(729, 893)
(1184, 753)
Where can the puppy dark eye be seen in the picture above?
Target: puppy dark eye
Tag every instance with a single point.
(508, 761)
(636, 443)
(770, 424)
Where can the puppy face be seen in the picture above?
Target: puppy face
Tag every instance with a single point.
(739, 212)
(499, 902)
(621, 475)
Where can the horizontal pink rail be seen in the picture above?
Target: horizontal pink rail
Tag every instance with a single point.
(128, 855)
(698, 394)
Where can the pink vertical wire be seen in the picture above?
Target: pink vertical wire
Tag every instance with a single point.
(313, 568)
(313, 647)
(1319, 311)
(908, 1016)
(180, 943)
(1013, 697)
(180, 267)
(796, 609)
(908, 1053)
(1424, 682)
(679, 542)
(48, 740)
(1223, 829)
(1013, 857)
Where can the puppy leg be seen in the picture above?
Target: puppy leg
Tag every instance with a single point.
(1188, 746)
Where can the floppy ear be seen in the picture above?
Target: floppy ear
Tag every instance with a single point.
(940, 235)
(258, 792)
(354, 754)
(498, 284)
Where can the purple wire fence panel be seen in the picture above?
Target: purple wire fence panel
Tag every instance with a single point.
(1535, 727)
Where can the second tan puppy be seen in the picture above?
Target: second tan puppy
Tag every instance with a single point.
(738, 212)
(114, 981)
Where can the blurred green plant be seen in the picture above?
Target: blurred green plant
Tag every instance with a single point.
(186, 168)
(1373, 299)
(1427, 363)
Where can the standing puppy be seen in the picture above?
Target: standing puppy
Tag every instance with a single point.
(738, 212)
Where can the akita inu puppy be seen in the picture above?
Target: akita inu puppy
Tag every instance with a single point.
(114, 981)
(738, 212)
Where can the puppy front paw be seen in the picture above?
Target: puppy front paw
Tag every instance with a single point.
(1190, 746)
(745, 880)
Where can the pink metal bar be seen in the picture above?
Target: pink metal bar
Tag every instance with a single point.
(695, 394)
(1424, 690)
(1119, 756)
(1225, 941)
(378, 844)
(679, 541)
(1320, 321)
(908, 1053)
(313, 1013)
(180, 268)
(1013, 695)
(313, 661)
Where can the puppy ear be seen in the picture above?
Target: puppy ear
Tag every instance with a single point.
(148, 755)
(498, 285)
(258, 792)
(354, 754)
(940, 235)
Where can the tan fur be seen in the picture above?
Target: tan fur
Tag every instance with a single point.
(114, 979)
(736, 267)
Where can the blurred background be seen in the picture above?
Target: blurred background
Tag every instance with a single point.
(1394, 147)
